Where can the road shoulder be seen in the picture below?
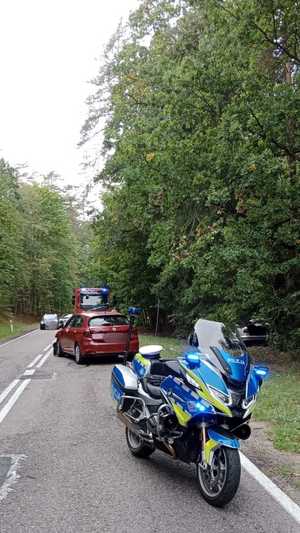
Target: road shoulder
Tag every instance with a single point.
(283, 468)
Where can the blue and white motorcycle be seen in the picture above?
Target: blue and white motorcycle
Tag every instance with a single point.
(195, 408)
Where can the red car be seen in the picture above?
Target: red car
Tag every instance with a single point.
(96, 333)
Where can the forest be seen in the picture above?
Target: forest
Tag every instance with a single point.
(196, 108)
(42, 245)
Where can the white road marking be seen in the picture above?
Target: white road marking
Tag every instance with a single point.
(49, 346)
(42, 361)
(8, 389)
(11, 476)
(11, 402)
(18, 338)
(29, 372)
(36, 359)
(283, 499)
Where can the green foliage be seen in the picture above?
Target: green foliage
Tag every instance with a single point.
(201, 105)
(38, 246)
(10, 235)
(49, 250)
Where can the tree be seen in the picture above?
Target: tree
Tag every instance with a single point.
(201, 107)
(50, 247)
(10, 230)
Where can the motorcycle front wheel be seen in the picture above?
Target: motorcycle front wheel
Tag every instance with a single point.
(219, 482)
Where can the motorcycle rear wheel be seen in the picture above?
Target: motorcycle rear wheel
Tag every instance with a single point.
(136, 444)
(219, 482)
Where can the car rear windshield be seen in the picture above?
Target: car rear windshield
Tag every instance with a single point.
(108, 321)
(50, 317)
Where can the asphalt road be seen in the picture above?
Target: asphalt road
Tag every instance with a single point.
(65, 466)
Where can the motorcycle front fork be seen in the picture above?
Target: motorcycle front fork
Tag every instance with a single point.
(208, 447)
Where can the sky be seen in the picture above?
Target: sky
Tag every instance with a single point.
(49, 50)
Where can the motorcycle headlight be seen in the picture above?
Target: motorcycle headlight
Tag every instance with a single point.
(248, 401)
(192, 381)
(220, 396)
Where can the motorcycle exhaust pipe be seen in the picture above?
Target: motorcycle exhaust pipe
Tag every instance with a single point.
(134, 427)
(242, 432)
(165, 447)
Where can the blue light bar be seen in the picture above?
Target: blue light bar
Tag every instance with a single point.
(200, 407)
(104, 290)
(192, 357)
(134, 311)
(261, 372)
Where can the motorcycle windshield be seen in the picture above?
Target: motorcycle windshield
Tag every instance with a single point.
(223, 348)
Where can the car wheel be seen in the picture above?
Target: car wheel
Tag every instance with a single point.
(57, 350)
(78, 354)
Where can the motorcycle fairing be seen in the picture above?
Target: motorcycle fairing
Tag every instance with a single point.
(256, 376)
(203, 390)
(208, 451)
(116, 392)
(141, 365)
(215, 440)
(238, 365)
(208, 374)
(222, 439)
(182, 416)
(185, 402)
(252, 385)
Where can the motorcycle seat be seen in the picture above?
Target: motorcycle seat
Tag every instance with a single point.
(152, 385)
(165, 367)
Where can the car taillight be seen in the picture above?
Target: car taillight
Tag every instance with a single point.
(87, 333)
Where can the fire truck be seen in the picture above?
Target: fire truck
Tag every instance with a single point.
(87, 298)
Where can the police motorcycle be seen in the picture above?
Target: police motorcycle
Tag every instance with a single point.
(195, 407)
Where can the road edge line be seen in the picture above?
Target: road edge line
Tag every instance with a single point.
(283, 499)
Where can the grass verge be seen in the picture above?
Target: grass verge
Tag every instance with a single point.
(278, 402)
(19, 327)
(172, 346)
